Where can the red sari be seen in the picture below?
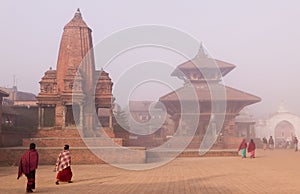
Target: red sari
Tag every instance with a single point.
(251, 148)
(63, 166)
(65, 175)
(243, 145)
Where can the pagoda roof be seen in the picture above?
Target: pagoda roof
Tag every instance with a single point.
(224, 67)
(204, 94)
(77, 21)
(203, 61)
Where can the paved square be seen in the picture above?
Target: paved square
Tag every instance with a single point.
(274, 171)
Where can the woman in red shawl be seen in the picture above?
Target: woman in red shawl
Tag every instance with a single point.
(243, 147)
(28, 164)
(63, 166)
(251, 148)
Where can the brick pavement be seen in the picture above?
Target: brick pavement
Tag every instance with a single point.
(271, 172)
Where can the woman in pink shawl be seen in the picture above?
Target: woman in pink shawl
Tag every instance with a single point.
(63, 166)
(251, 148)
(28, 164)
(243, 147)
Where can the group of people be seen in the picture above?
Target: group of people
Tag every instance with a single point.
(244, 147)
(266, 143)
(270, 144)
(29, 163)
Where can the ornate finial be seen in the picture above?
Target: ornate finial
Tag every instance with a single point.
(201, 52)
(78, 13)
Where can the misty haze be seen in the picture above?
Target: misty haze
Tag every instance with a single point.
(149, 97)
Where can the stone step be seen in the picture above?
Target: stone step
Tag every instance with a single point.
(69, 133)
(72, 142)
(161, 155)
(195, 142)
(80, 155)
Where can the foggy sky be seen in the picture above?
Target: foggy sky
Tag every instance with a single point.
(260, 37)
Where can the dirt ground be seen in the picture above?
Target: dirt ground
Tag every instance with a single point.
(276, 171)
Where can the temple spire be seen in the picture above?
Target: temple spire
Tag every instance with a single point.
(76, 42)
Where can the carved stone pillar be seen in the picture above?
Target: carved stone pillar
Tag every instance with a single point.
(64, 109)
(59, 115)
(42, 113)
(41, 117)
(110, 118)
(80, 116)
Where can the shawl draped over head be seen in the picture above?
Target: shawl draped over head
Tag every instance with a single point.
(251, 146)
(63, 160)
(29, 162)
(243, 145)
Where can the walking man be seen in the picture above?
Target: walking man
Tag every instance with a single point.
(28, 165)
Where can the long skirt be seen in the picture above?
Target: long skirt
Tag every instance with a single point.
(252, 154)
(30, 180)
(243, 153)
(65, 175)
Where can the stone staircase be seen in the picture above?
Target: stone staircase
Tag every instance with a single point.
(84, 150)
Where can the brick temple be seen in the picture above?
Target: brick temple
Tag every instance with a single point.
(191, 72)
(71, 100)
(58, 90)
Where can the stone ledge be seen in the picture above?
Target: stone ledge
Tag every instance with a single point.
(72, 141)
(166, 154)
